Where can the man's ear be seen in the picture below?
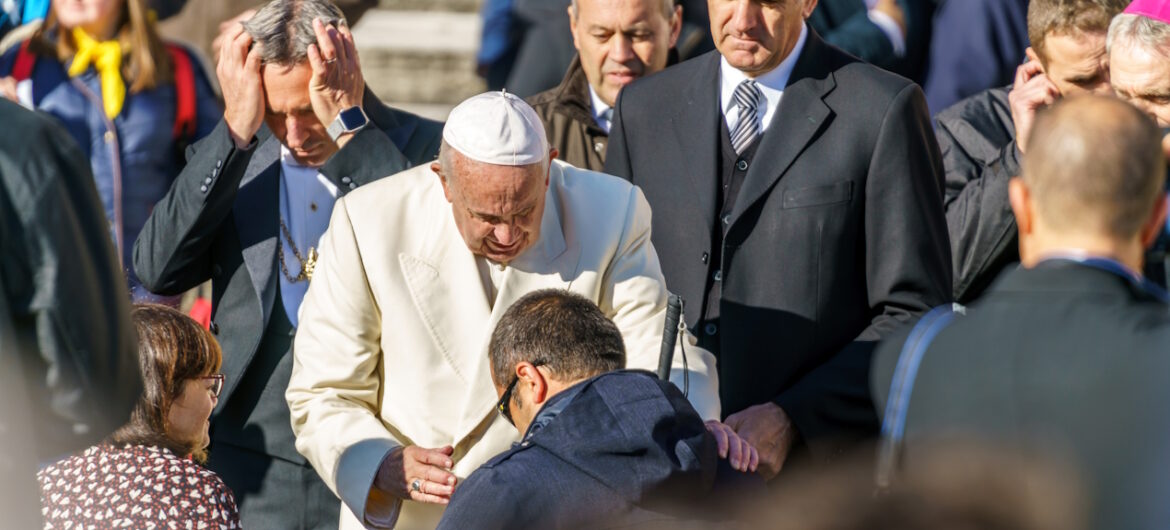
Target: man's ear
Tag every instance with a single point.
(1031, 54)
(1155, 224)
(573, 26)
(552, 155)
(1021, 202)
(676, 25)
(529, 376)
(809, 6)
(438, 170)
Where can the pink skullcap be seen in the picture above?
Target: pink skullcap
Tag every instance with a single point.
(1156, 9)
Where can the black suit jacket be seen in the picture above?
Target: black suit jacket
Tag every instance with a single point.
(837, 233)
(1061, 359)
(220, 221)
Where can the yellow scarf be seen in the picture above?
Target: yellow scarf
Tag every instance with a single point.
(107, 59)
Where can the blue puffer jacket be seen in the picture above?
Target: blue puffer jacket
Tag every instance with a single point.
(135, 157)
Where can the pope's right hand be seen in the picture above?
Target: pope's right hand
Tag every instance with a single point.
(430, 467)
(243, 91)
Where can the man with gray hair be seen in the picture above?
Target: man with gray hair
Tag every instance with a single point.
(391, 392)
(300, 129)
(1139, 57)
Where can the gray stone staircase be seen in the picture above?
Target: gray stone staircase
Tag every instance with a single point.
(419, 55)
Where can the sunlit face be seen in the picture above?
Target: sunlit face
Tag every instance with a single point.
(96, 17)
(290, 114)
(621, 40)
(498, 209)
(756, 35)
(1142, 77)
(1077, 63)
(189, 416)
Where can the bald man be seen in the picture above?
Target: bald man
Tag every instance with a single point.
(1068, 354)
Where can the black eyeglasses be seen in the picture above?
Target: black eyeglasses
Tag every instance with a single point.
(216, 383)
(504, 405)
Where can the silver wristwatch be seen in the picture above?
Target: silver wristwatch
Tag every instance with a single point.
(347, 121)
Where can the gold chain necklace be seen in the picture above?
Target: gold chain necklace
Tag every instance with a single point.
(307, 265)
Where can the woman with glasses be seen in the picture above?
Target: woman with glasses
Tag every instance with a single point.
(149, 470)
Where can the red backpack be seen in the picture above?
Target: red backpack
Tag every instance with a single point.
(184, 129)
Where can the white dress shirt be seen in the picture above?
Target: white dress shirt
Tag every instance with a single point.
(602, 113)
(771, 85)
(306, 203)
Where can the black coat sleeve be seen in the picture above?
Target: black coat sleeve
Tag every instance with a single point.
(617, 154)
(64, 287)
(908, 271)
(172, 253)
(980, 222)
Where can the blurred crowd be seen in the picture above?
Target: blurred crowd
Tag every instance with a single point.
(816, 264)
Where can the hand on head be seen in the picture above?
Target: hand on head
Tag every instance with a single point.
(238, 71)
(337, 82)
(1031, 92)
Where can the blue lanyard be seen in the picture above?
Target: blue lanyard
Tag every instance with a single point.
(1116, 268)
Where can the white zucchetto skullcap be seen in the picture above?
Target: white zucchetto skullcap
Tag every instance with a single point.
(496, 128)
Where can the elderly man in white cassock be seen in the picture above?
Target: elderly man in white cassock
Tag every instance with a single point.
(391, 394)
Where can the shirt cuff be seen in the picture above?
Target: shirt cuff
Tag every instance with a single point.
(890, 27)
(356, 470)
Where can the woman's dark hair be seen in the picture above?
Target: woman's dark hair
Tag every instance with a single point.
(172, 349)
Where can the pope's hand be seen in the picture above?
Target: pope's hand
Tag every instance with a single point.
(337, 82)
(430, 467)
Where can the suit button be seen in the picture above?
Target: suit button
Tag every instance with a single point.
(352, 185)
(214, 172)
(214, 328)
(599, 147)
(706, 257)
(727, 219)
(218, 163)
(718, 276)
(346, 180)
(109, 136)
(203, 188)
(207, 180)
(710, 329)
(741, 165)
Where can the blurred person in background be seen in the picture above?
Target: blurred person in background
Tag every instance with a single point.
(618, 42)
(983, 138)
(891, 34)
(975, 45)
(301, 129)
(148, 473)
(132, 102)
(1067, 353)
(68, 371)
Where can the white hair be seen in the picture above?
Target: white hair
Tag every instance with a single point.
(1138, 30)
(667, 9)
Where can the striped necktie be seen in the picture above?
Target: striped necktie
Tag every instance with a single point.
(747, 97)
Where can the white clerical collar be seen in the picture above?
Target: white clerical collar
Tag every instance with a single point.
(771, 83)
(602, 113)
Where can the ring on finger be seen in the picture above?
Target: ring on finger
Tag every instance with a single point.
(416, 485)
(331, 61)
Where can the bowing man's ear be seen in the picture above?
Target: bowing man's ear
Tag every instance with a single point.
(1155, 224)
(1020, 199)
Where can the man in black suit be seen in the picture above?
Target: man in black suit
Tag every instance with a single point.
(797, 196)
(247, 213)
(1066, 355)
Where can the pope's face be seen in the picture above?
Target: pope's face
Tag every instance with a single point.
(620, 41)
(497, 209)
(756, 35)
(1142, 77)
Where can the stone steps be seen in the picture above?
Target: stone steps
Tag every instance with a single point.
(421, 59)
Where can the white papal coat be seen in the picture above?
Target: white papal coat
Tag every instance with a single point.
(392, 344)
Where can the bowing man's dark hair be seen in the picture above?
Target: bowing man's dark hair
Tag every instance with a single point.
(559, 329)
(172, 349)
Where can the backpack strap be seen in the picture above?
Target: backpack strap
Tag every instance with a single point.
(184, 93)
(22, 66)
(905, 372)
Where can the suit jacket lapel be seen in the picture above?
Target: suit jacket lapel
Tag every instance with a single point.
(801, 115)
(257, 214)
(696, 130)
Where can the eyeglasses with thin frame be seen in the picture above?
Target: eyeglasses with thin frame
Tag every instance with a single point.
(216, 383)
(504, 405)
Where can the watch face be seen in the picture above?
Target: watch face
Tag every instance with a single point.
(352, 118)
